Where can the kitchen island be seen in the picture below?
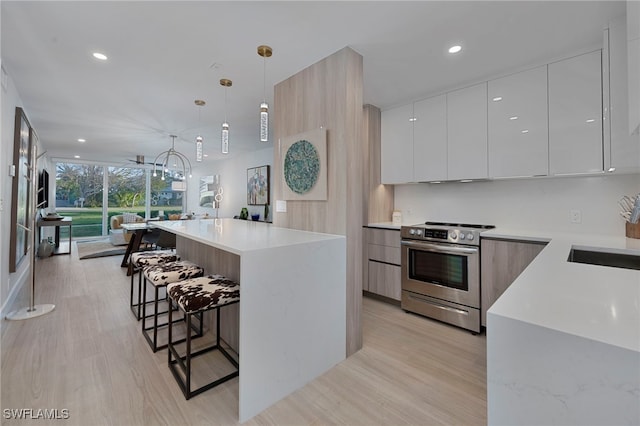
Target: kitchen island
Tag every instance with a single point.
(292, 311)
(563, 341)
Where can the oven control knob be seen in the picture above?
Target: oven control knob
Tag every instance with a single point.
(418, 232)
(453, 235)
(412, 231)
(462, 236)
(469, 236)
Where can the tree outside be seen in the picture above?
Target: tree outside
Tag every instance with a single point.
(79, 189)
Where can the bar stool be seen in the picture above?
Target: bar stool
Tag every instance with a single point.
(160, 276)
(138, 261)
(196, 296)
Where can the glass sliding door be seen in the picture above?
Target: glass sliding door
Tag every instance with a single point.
(164, 199)
(127, 191)
(79, 189)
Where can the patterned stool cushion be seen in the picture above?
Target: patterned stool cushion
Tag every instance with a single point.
(153, 257)
(200, 294)
(167, 273)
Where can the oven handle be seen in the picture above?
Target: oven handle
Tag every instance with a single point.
(440, 248)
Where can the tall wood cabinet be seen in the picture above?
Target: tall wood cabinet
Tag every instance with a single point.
(501, 262)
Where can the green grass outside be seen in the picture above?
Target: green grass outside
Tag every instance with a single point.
(87, 222)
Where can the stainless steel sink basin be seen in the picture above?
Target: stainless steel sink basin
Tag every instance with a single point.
(594, 256)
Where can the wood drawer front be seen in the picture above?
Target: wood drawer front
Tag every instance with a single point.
(384, 237)
(384, 254)
(384, 279)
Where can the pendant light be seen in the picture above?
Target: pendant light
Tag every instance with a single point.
(265, 52)
(225, 126)
(166, 162)
(199, 140)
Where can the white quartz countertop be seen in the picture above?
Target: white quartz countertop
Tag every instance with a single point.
(591, 301)
(240, 236)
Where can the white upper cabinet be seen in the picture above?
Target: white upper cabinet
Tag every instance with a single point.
(624, 148)
(575, 115)
(518, 125)
(430, 139)
(397, 145)
(467, 133)
(633, 63)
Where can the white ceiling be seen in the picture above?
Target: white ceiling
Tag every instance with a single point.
(162, 56)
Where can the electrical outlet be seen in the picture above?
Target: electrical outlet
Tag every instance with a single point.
(281, 206)
(575, 216)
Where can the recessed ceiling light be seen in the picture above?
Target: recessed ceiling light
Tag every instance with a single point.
(591, 120)
(515, 117)
(412, 119)
(76, 156)
(455, 49)
(82, 140)
(205, 155)
(100, 56)
(466, 180)
(497, 99)
(525, 131)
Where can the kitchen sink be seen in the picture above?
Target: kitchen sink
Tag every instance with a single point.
(594, 256)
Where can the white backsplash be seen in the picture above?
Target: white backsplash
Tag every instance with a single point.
(534, 204)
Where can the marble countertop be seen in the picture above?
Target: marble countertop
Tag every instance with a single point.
(591, 301)
(240, 236)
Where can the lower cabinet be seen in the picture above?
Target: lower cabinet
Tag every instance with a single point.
(382, 263)
(384, 279)
(501, 262)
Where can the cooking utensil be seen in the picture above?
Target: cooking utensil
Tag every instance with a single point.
(635, 213)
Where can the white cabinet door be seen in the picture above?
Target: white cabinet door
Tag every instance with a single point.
(633, 63)
(397, 145)
(467, 133)
(518, 129)
(625, 148)
(575, 115)
(430, 139)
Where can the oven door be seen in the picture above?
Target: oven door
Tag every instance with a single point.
(444, 271)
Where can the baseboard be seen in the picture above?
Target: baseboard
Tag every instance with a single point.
(22, 277)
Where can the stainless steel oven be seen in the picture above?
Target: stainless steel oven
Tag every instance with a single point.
(441, 272)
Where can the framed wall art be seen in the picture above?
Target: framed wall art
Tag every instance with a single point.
(304, 165)
(258, 185)
(18, 240)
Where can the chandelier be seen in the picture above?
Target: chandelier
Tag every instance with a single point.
(172, 160)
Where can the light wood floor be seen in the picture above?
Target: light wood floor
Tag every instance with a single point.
(89, 357)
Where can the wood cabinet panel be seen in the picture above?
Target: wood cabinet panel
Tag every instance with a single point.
(501, 262)
(384, 254)
(384, 279)
(383, 237)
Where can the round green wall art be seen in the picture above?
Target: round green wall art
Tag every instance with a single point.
(301, 167)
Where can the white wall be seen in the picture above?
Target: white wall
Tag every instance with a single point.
(10, 283)
(233, 178)
(535, 204)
